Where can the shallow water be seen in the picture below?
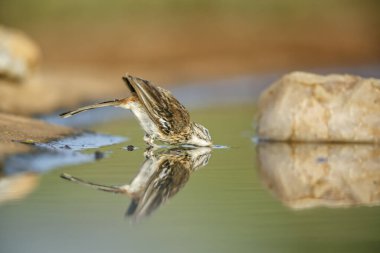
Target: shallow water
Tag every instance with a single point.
(228, 205)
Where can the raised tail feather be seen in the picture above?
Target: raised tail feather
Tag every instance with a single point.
(115, 102)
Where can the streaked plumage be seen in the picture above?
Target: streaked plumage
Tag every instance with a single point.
(160, 114)
(162, 175)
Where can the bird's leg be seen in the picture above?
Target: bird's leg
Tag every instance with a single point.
(149, 140)
(149, 151)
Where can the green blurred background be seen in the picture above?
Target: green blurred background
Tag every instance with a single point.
(175, 40)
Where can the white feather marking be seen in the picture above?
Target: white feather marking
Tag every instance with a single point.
(146, 123)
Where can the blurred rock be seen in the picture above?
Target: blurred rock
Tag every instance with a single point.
(52, 89)
(17, 187)
(19, 55)
(313, 175)
(308, 107)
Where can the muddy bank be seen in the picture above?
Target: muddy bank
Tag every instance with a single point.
(29, 147)
(18, 133)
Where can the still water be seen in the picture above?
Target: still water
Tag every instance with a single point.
(244, 198)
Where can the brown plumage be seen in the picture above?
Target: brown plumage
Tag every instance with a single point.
(160, 114)
(162, 107)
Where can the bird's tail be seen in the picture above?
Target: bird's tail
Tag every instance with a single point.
(115, 102)
(100, 187)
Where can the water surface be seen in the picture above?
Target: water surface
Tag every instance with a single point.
(228, 205)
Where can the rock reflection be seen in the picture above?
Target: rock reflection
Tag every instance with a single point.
(311, 175)
(17, 186)
(163, 174)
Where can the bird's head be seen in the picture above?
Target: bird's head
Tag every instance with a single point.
(201, 136)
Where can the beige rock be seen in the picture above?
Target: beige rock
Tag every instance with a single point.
(52, 89)
(308, 107)
(311, 175)
(19, 55)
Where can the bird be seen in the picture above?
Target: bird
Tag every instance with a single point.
(161, 176)
(161, 116)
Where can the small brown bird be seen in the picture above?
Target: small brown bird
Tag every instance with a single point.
(161, 116)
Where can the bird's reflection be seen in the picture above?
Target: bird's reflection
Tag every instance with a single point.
(330, 175)
(163, 173)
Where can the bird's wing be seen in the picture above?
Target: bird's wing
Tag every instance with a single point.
(162, 107)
